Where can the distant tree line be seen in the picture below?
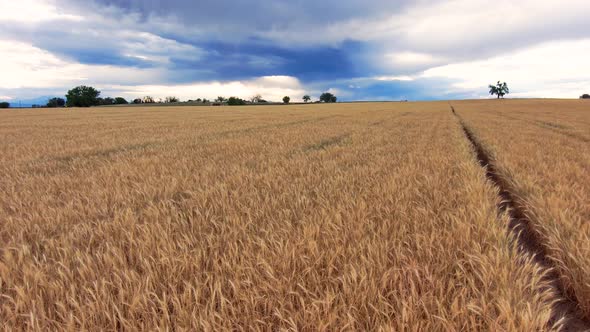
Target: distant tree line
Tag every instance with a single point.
(199, 100)
(87, 96)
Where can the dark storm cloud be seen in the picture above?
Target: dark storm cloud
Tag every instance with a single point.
(447, 31)
(250, 16)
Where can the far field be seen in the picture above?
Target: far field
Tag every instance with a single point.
(369, 216)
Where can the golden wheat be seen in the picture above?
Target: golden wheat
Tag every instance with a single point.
(305, 217)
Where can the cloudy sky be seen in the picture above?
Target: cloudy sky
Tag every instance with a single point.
(358, 49)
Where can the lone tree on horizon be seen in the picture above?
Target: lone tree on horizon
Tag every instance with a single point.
(306, 98)
(327, 97)
(500, 89)
(82, 96)
(286, 99)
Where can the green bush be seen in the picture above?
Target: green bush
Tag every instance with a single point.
(121, 101)
(235, 101)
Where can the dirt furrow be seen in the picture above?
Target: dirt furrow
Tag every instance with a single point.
(529, 239)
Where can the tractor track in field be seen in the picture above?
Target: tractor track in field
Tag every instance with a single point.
(551, 126)
(528, 238)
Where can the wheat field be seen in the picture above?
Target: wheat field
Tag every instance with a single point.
(366, 216)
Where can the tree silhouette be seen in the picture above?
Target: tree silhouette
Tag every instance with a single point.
(327, 97)
(256, 99)
(235, 101)
(500, 89)
(121, 101)
(56, 102)
(82, 96)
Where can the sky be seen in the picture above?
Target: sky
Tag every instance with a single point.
(356, 49)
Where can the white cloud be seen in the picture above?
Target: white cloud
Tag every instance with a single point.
(411, 59)
(394, 78)
(457, 26)
(94, 32)
(442, 25)
(25, 66)
(151, 47)
(272, 88)
(33, 11)
(554, 69)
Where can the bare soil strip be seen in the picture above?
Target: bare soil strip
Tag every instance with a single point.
(528, 238)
